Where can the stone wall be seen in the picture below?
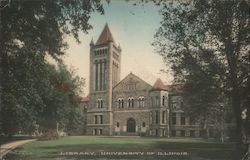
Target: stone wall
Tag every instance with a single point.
(140, 117)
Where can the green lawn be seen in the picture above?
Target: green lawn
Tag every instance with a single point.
(151, 148)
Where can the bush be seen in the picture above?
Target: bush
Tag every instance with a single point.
(50, 135)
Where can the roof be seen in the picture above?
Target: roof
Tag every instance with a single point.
(133, 75)
(159, 85)
(175, 88)
(105, 36)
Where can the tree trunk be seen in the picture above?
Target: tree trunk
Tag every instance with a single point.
(236, 104)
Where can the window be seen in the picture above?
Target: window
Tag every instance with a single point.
(174, 105)
(174, 118)
(143, 124)
(156, 100)
(156, 117)
(163, 117)
(117, 124)
(100, 131)
(99, 103)
(183, 133)
(163, 100)
(131, 103)
(101, 119)
(95, 119)
(141, 102)
(183, 119)
(120, 103)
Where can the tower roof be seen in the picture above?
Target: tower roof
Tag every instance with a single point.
(159, 85)
(105, 36)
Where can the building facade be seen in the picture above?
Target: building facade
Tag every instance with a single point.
(130, 106)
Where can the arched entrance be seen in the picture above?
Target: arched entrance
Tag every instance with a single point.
(131, 125)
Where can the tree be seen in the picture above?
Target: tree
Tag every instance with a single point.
(208, 41)
(30, 31)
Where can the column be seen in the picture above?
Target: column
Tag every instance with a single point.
(96, 75)
(105, 74)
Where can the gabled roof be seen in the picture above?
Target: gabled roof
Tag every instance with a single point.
(132, 75)
(105, 36)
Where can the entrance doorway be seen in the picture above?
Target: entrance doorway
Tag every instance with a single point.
(131, 125)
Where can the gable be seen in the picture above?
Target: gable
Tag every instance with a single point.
(132, 83)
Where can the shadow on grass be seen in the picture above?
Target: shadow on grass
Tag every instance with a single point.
(196, 149)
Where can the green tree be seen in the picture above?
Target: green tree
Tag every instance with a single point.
(30, 31)
(207, 42)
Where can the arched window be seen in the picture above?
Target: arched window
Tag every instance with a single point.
(117, 124)
(141, 101)
(131, 102)
(100, 103)
(120, 103)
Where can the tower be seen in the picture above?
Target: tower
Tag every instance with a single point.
(105, 59)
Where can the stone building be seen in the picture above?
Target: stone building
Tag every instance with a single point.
(130, 106)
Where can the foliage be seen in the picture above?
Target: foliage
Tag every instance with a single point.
(207, 45)
(30, 88)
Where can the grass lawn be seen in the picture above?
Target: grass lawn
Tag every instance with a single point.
(81, 147)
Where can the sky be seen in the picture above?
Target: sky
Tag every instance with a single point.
(133, 27)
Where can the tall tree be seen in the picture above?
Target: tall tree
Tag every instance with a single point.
(209, 41)
(30, 31)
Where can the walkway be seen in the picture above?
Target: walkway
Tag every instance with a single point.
(5, 148)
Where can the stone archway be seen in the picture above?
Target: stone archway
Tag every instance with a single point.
(131, 125)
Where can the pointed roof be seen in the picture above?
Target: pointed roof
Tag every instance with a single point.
(105, 36)
(159, 85)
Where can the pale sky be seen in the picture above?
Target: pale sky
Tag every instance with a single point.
(133, 27)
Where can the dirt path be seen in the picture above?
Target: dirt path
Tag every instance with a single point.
(5, 148)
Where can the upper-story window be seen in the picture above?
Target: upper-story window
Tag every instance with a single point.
(152, 101)
(163, 100)
(157, 117)
(131, 102)
(174, 105)
(120, 103)
(101, 52)
(100, 103)
(156, 100)
(141, 101)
